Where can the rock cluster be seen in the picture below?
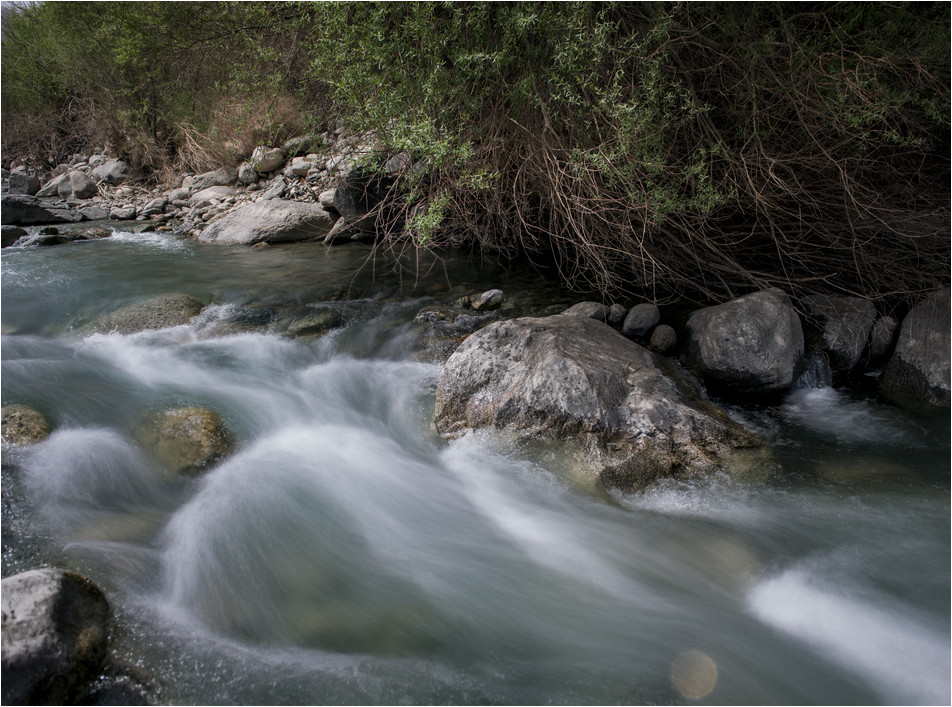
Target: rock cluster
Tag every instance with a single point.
(301, 185)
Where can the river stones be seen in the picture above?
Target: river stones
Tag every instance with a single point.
(23, 425)
(641, 319)
(752, 344)
(919, 370)
(488, 300)
(186, 440)
(631, 415)
(271, 221)
(847, 323)
(55, 631)
(154, 313)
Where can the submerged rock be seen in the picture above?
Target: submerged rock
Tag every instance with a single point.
(919, 370)
(632, 416)
(752, 344)
(55, 632)
(23, 425)
(186, 440)
(154, 313)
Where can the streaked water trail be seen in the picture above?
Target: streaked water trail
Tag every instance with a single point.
(344, 553)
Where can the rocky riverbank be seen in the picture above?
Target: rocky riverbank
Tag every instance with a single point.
(279, 194)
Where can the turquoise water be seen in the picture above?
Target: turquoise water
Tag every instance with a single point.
(345, 554)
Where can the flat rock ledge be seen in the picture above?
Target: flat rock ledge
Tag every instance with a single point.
(632, 416)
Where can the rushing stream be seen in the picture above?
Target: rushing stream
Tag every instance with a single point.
(345, 554)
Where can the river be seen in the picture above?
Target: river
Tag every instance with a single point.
(345, 554)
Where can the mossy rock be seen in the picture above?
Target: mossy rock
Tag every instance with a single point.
(23, 425)
(186, 440)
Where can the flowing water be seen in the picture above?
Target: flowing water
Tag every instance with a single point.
(345, 554)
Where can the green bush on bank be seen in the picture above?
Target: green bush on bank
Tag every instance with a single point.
(696, 147)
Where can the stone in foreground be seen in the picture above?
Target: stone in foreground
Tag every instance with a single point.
(271, 221)
(633, 416)
(752, 344)
(55, 631)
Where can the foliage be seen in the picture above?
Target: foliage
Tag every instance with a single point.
(653, 148)
(155, 80)
(709, 147)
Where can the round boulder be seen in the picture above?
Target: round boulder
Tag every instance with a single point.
(186, 440)
(55, 631)
(641, 319)
(918, 371)
(631, 416)
(752, 344)
(23, 425)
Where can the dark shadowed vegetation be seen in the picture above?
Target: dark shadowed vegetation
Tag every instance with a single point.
(664, 149)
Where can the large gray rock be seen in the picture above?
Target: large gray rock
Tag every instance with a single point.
(55, 633)
(918, 371)
(846, 322)
(271, 221)
(154, 313)
(224, 177)
(20, 183)
(247, 173)
(752, 344)
(631, 415)
(77, 185)
(26, 210)
(22, 425)
(209, 193)
(112, 172)
(186, 440)
(51, 188)
(267, 159)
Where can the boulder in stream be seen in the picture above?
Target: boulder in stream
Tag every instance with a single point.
(846, 322)
(918, 372)
(752, 344)
(186, 440)
(23, 425)
(154, 313)
(55, 632)
(632, 416)
(271, 221)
